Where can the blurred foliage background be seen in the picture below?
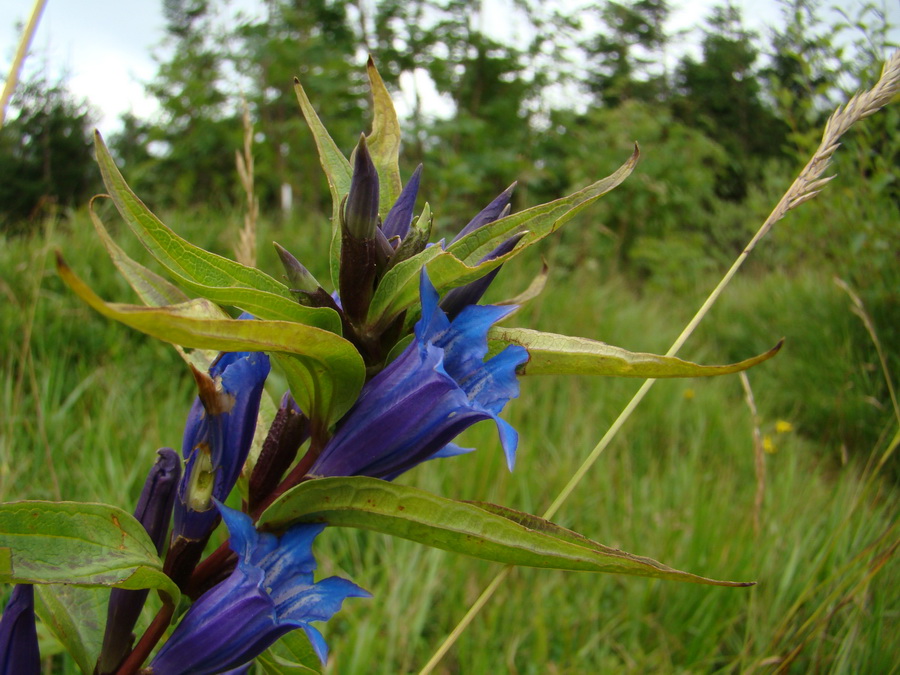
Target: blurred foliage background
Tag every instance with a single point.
(723, 130)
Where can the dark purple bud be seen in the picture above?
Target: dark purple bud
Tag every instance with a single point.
(384, 249)
(19, 653)
(489, 213)
(361, 207)
(359, 248)
(416, 239)
(288, 432)
(460, 298)
(399, 218)
(154, 511)
(298, 277)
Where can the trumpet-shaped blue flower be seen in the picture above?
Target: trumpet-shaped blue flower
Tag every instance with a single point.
(270, 593)
(217, 438)
(438, 387)
(18, 635)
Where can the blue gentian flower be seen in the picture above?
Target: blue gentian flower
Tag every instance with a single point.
(217, 438)
(270, 593)
(438, 387)
(19, 653)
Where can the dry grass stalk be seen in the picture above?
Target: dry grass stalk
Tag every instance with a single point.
(245, 250)
(16, 68)
(806, 186)
(759, 455)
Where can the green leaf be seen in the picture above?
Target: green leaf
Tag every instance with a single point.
(212, 276)
(153, 290)
(76, 616)
(384, 141)
(81, 544)
(291, 654)
(400, 286)
(539, 221)
(458, 265)
(490, 533)
(552, 354)
(334, 370)
(337, 172)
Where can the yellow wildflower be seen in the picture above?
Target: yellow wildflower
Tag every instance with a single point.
(783, 427)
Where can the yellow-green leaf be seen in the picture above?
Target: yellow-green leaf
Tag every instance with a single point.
(337, 172)
(483, 531)
(384, 141)
(335, 369)
(552, 354)
(74, 543)
(153, 290)
(539, 221)
(211, 276)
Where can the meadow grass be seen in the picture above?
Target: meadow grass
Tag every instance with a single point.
(87, 402)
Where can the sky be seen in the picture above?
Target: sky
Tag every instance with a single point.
(105, 48)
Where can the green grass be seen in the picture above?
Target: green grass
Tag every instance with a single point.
(678, 483)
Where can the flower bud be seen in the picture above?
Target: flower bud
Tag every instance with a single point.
(361, 207)
(493, 211)
(298, 277)
(154, 511)
(459, 298)
(399, 218)
(19, 653)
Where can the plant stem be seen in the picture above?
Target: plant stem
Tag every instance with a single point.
(148, 640)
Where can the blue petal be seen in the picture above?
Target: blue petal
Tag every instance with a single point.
(317, 641)
(509, 440)
(434, 321)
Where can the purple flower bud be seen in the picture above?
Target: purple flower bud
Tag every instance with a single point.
(489, 213)
(288, 432)
(360, 259)
(438, 387)
(19, 653)
(460, 298)
(399, 218)
(154, 511)
(269, 593)
(361, 208)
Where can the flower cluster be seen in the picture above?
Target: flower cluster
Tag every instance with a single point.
(409, 411)
(384, 383)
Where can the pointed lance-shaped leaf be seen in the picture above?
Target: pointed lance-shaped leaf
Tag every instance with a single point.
(483, 531)
(552, 354)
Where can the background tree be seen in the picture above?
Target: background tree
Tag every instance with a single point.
(722, 96)
(46, 158)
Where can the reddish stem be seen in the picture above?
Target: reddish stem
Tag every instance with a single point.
(148, 640)
(208, 569)
(297, 474)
